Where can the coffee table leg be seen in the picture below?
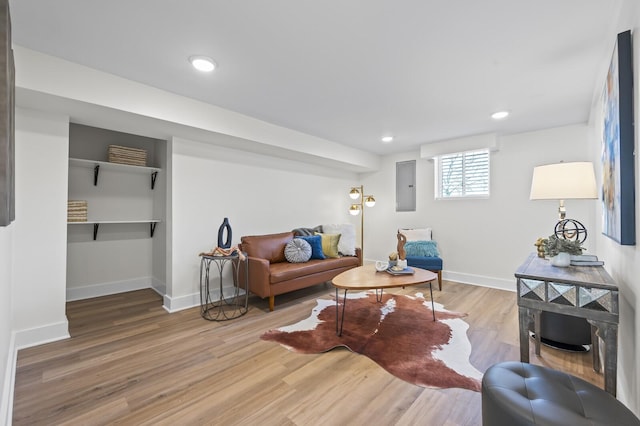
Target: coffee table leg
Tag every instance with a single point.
(433, 309)
(344, 305)
(379, 296)
(337, 311)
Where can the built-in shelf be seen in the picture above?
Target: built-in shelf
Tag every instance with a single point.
(105, 165)
(96, 224)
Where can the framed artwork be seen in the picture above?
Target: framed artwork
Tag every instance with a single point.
(7, 119)
(618, 187)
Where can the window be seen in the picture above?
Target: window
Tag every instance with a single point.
(463, 174)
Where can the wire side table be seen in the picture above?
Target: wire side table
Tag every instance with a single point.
(214, 305)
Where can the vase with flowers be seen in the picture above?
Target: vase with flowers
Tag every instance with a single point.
(559, 250)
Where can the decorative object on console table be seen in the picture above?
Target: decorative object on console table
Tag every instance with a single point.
(618, 145)
(586, 260)
(588, 293)
(357, 193)
(560, 250)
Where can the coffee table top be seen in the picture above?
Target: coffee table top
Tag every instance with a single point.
(367, 278)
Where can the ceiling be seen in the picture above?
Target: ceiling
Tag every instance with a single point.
(348, 71)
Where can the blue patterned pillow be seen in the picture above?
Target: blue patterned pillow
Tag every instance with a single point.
(421, 248)
(315, 242)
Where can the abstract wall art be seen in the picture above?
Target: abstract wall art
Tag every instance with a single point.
(618, 187)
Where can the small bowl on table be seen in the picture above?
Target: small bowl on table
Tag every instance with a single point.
(382, 265)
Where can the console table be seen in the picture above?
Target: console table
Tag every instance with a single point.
(581, 291)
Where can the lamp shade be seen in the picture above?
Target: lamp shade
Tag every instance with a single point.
(354, 194)
(564, 181)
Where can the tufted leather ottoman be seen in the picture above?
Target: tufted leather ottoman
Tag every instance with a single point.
(516, 393)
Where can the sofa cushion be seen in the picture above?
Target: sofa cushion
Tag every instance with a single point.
(421, 248)
(428, 263)
(316, 245)
(330, 244)
(297, 251)
(288, 271)
(347, 243)
(269, 247)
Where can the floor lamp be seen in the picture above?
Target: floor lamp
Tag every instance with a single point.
(357, 208)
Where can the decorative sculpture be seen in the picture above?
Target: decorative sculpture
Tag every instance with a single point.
(402, 254)
(224, 227)
(224, 248)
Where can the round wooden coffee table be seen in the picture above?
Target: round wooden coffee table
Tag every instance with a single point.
(367, 278)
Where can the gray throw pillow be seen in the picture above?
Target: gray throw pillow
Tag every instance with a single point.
(303, 232)
(297, 251)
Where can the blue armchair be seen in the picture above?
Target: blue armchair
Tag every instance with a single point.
(430, 263)
(422, 252)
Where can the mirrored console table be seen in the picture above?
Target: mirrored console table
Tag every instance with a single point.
(581, 291)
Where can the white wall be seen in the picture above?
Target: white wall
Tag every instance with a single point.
(258, 194)
(7, 350)
(482, 241)
(623, 262)
(40, 233)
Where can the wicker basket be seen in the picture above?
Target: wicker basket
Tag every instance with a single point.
(125, 155)
(76, 211)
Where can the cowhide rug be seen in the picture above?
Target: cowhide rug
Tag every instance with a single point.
(399, 334)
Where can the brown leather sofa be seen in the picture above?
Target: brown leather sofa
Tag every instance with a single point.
(270, 274)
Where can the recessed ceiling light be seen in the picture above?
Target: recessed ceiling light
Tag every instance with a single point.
(202, 63)
(387, 139)
(500, 115)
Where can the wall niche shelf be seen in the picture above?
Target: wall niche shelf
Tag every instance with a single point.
(96, 224)
(105, 165)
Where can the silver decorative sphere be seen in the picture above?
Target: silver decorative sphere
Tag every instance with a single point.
(570, 229)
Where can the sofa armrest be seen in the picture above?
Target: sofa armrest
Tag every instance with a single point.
(259, 276)
(359, 254)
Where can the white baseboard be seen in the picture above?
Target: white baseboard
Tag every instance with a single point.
(160, 287)
(175, 304)
(480, 280)
(6, 405)
(41, 335)
(104, 289)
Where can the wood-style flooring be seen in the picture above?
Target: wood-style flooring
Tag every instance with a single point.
(130, 362)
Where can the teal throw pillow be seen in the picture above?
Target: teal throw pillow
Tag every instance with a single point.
(421, 248)
(315, 241)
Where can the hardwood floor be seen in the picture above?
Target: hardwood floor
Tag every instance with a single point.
(130, 362)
